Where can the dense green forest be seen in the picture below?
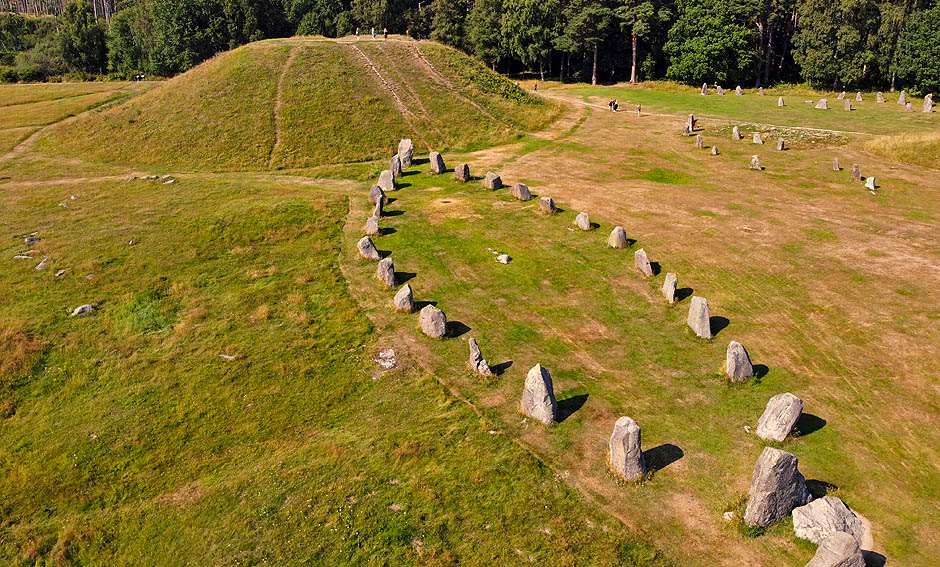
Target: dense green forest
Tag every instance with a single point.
(827, 43)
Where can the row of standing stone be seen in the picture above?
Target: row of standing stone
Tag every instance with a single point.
(823, 104)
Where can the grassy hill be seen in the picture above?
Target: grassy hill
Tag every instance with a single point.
(306, 102)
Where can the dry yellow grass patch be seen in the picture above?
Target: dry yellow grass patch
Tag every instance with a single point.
(919, 149)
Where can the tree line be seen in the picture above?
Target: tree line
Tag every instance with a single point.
(838, 44)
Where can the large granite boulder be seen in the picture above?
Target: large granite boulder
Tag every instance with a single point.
(406, 152)
(617, 238)
(838, 549)
(433, 322)
(437, 164)
(642, 263)
(367, 249)
(626, 453)
(779, 417)
(777, 487)
(385, 272)
(477, 362)
(521, 192)
(699, 319)
(738, 365)
(404, 300)
(825, 516)
(538, 396)
(462, 173)
(492, 181)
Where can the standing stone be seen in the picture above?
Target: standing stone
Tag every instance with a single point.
(437, 164)
(462, 173)
(617, 238)
(406, 152)
(856, 173)
(372, 227)
(521, 192)
(755, 163)
(492, 181)
(404, 300)
(547, 205)
(870, 183)
(433, 322)
(669, 287)
(538, 396)
(386, 272)
(583, 221)
(477, 362)
(735, 133)
(714, 150)
(928, 104)
(699, 141)
(777, 487)
(699, 319)
(642, 263)
(880, 97)
(378, 211)
(704, 89)
(781, 145)
(823, 104)
(367, 249)
(838, 549)
(902, 98)
(386, 181)
(841, 96)
(909, 107)
(780, 102)
(836, 166)
(626, 453)
(848, 106)
(690, 124)
(721, 91)
(779, 417)
(394, 165)
(825, 516)
(376, 194)
(738, 91)
(738, 363)
(757, 138)
(858, 97)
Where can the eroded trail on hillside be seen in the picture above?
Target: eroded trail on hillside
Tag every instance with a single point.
(278, 110)
(387, 86)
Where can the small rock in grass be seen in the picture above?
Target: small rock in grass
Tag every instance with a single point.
(437, 164)
(781, 145)
(777, 487)
(848, 106)
(738, 365)
(779, 417)
(386, 181)
(462, 173)
(699, 319)
(367, 249)
(856, 173)
(31, 239)
(82, 310)
(625, 450)
(42, 263)
(699, 141)
(521, 192)
(60, 273)
(386, 359)
(780, 102)
(582, 221)
(404, 300)
(477, 362)
(492, 181)
(406, 151)
(757, 139)
(735, 133)
(738, 91)
(433, 322)
(642, 263)
(880, 97)
(386, 272)
(669, 287)
(841, 96)
(538, 396)
(504, 258)
(858, 97)
(617, 238)
(870, 184)
(547, 205)
(825, 516)
(836, 166)
(372, 227)
(909, 107)
(902, 98)
(823, 104)
(714, 150)
(755, 163)
(704, 89)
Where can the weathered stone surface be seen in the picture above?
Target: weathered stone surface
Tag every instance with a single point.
(781, 145)
(378, 211)
(626, 453)
(738, 365)
(376, 194)
(538, 396)
(386, 181)
(777, 487)
(825, 516)
(858, 97)
(699, 141)
(880, 97)
(433, 322)
(583, 221)
(780, 102)
(617, 238)
(779, 417)
(836, 166)
(367, 249)
(735, 133)
(870, 183)
(704, 89)
(385, 273)
(902, 98)
(928, 104)
(462, 173)
(477, 362)
(394, 165)
(404, 300)
(437, 163)
(738, 91)
(372, 227)
(690, 124)
(856, 172)
(521, 192)
(669, 287)
(547, 205)
(838, 549)
(82, 310)
(848, 106)
(699, 319)
(406, 152)
(841, 96)
(714, 150)
(757, 138)
(760, 91)
(755, 163)
(909, 107)
(504, 258)
(721, 91)
(642, 263)
(823, 104)
(492, 181)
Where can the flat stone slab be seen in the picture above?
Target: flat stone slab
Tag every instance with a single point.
(825, 516)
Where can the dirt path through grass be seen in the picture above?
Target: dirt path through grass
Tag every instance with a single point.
(279, 104)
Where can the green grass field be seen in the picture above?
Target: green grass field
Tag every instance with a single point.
(222, 404)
